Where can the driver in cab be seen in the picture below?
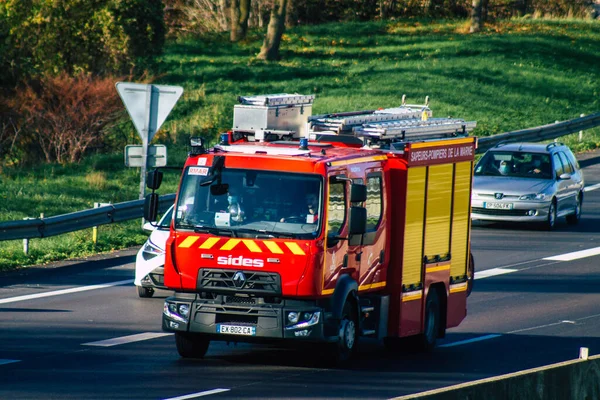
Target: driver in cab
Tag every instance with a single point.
(307, 214)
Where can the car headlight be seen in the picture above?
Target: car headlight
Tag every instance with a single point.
(533, 196)
(150, 250)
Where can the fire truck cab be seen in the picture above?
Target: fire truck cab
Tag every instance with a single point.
(320, 229)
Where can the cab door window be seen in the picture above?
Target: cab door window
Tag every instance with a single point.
(374, 201)
(336, 208)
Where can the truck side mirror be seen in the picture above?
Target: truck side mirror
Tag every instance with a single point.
(151, 207)
(358, 193)
(154, 179)
(358, 220)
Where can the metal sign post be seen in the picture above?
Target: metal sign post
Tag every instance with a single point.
(148, 106)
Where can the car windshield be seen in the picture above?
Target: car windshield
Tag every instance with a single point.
(165, 221)
(515, 164)
(250, 203)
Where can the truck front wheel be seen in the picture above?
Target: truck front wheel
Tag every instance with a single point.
(348, 335)
(191, 345)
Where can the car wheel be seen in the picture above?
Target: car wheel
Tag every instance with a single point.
(431, 328)
(191, 345)
(551, 221)
(574, 218)
(145, 292)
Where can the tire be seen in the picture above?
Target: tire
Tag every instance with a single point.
(470, 275)
(431, 326)
(145, 292)
(344, 349)
(573, 219)
(550, 223)
(191, 345)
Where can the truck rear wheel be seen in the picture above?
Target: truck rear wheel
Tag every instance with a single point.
(470, 275)
(191, 345)
(431, 326)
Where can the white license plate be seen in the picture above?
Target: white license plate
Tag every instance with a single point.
(498, 206)
(236, 330)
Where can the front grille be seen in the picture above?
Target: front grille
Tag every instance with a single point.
(228, 281)
(240, 300)
(236, 319)
(500, 213)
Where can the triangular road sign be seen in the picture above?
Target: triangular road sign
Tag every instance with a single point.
(148, 105)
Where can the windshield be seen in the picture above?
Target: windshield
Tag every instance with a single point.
(516, 164)
(255, 204)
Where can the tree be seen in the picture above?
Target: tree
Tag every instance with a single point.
(240, 12)
(476, 16)
(270, 47)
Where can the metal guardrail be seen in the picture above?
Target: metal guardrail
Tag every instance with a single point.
(540, 133)
(51, 226)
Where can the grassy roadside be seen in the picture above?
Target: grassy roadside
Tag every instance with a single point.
(515, 75)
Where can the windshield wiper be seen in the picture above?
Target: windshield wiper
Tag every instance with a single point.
(215, 230)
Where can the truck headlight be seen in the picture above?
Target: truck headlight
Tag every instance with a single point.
(293, 317)
(178, 312)
(301, 320)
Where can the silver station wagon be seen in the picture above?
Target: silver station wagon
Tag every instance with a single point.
(528, 182)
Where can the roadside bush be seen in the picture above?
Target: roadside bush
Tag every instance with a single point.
(61, 117)
(78, 36)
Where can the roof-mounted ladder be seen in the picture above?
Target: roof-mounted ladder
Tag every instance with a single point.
(414, 129)
(341, 123)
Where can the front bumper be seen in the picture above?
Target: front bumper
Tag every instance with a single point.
(155, 278)
(521, 211)
(245, 319)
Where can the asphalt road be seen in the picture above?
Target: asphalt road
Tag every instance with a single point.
(79, 331)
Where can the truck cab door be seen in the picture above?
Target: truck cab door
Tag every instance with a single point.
(336, 249)
(372, 249)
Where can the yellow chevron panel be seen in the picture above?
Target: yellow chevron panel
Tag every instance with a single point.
(209, 243)
(273, 247)
(252, 246)
(294, 248)
(230, 244)
(188, 241)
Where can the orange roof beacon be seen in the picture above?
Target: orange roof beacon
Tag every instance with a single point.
(321, 228)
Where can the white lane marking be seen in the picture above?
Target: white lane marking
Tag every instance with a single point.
(127, 339)
(477, 339)
(541, 326)
(5, 361)
(64, 291)
(590, 188)
(576, 255)
(493, 272)
(199, 394)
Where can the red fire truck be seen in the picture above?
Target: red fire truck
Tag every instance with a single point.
(320, 228)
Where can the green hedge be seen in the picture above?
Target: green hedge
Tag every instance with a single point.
(78, 36)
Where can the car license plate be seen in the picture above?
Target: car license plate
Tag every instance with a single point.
(498, 206)
(236, 330)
